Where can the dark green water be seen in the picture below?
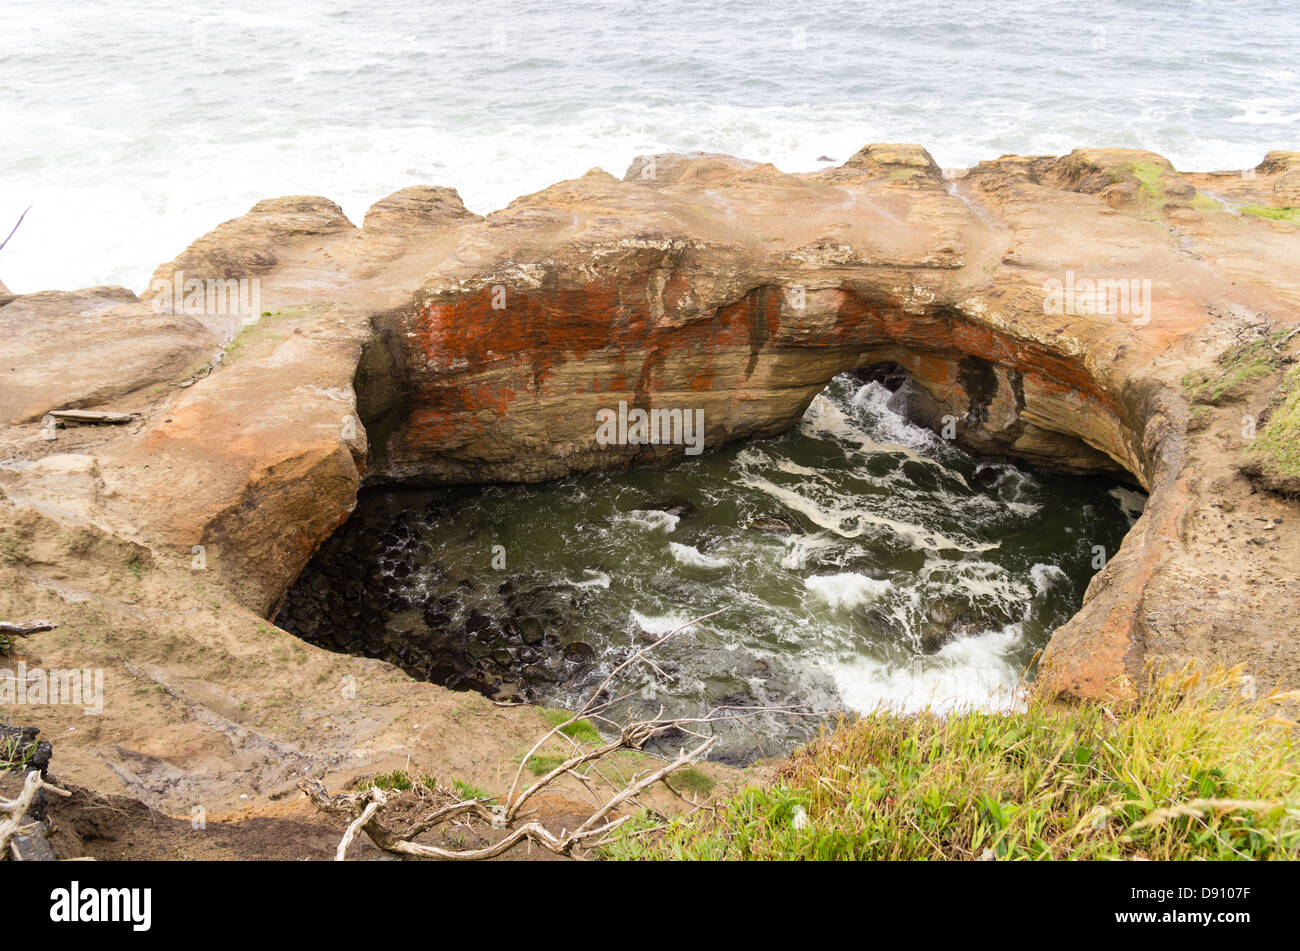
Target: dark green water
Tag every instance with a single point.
(857, 560)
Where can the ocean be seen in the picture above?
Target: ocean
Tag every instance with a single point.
(131, 128)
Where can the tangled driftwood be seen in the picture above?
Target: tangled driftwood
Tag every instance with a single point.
(14, 819)
(440, 805)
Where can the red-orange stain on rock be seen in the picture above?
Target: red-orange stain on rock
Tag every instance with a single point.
(480, 358)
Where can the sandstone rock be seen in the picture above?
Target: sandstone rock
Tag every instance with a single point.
(63, 350)
(415, 209)
(1279, 160)
(1287, 188)
(476, 349)
(908, 163)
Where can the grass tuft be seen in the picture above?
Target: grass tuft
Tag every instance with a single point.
(1272, 213)
(1194, 772)
(539, 764)
(581, 730)
(1236, 365)
(1276, 448)
(396, 780)
(469, 791)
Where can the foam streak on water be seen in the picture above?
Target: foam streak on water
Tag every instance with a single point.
(134, 126)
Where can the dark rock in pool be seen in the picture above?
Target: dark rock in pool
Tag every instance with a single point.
(531, 630)
(985, 477)
(438, 620)
(443, 672)
(477, 621)
(579, 652)
(682, 508)
(773, 525)
(536, 674)
(948, 618)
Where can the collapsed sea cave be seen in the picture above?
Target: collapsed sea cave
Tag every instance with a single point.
(860, 558)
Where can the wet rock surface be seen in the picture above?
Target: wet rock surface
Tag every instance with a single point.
(504, 638)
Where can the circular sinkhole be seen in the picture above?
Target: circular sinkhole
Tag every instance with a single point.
(857, 560)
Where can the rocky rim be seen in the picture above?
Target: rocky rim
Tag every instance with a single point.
(434, 345)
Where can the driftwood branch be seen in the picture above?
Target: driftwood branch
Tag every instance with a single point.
(24, 628)
(91, 416)
(365, 808)
(13, 813)
(15, 227)
(513, 804)
(367, 805)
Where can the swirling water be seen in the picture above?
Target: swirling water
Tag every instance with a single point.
(857, 560)
(134, 126)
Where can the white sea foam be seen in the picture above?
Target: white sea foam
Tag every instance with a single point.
(975, 580)
(970, 673)
(1132, 503)
(1046, 576)
(847, 590)
(591, 578)
(653, 519)
(689, 555)
(800, 547)
(659, 624)
(853, 522)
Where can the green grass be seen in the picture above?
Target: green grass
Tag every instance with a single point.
(1148, 175)
(1272, 213)
(469, 790)
(539, 764)
(692, 780)
(581, 730)
(14, 754)
(265, 330)
(1194, 772)
(1278, 443)
(396, 780)
(1203, 202)
(1236, 365)
(401, 781)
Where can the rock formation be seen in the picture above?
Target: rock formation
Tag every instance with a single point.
(434, 345)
